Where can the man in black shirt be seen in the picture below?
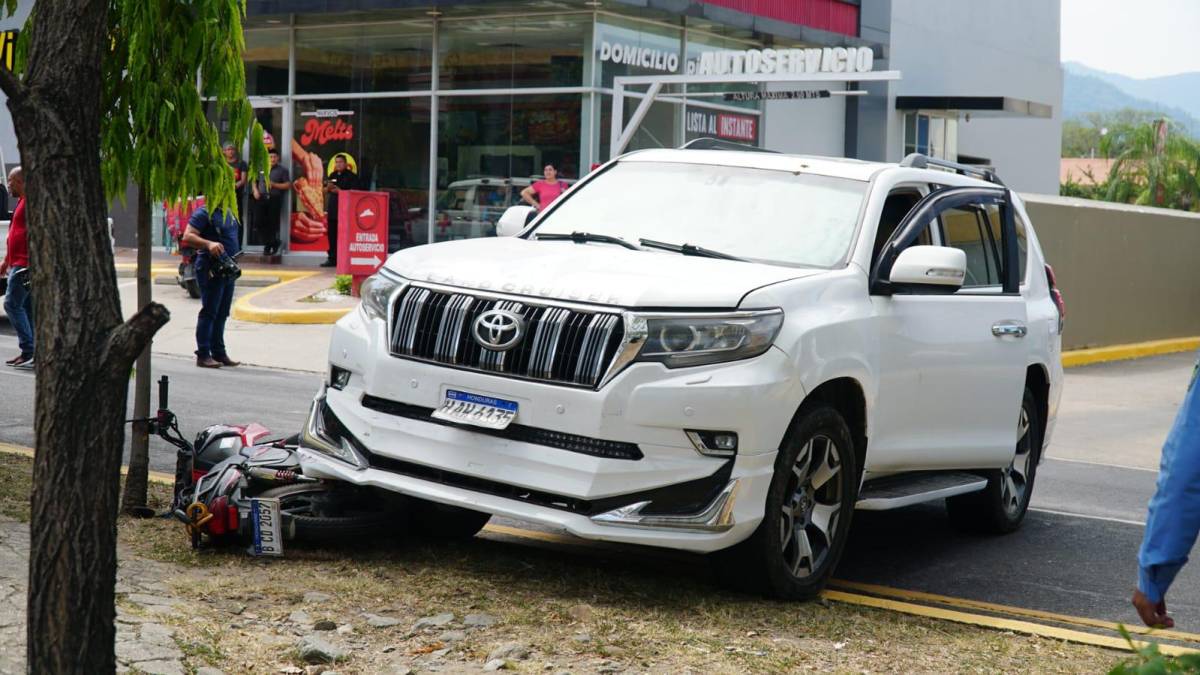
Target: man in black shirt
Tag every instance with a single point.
(268, 194)
(342, 178)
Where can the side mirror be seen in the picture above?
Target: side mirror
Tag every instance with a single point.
(514, 220)
(929, 269)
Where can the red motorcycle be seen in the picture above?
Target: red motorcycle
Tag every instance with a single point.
(233, 485)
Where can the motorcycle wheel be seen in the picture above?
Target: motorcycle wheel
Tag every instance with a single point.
(320, 512)
(190, 285)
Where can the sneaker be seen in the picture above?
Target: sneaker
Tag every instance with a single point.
(23, 361)
(13, 360)
(329, 262)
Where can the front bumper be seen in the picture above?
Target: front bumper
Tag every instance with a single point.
(591, 493)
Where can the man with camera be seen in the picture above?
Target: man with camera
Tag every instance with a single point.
(215, 238)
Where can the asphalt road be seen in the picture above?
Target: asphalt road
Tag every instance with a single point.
(1076, 553)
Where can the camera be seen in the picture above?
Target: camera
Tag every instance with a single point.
(226, 267)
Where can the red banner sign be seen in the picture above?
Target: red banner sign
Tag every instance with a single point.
(362, 232)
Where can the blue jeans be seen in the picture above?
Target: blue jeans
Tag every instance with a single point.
(216, 297)
(18, 304)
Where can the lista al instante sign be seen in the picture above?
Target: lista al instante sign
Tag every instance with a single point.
(745, 62)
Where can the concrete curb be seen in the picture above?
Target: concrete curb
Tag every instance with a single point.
(22, 451)
(1083, 357)
(126, 270)
(244, 309)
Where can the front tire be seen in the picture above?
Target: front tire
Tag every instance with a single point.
(442, 521)
(809, 506)
(324, 513)
(1001, 506)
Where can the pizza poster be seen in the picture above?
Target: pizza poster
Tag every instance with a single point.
(322, 135)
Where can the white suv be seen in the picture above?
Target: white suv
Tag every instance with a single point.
(714, 351)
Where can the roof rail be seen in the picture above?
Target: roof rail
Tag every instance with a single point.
(718, 144)
(918, 161)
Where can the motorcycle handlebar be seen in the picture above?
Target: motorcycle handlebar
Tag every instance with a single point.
(163, 385)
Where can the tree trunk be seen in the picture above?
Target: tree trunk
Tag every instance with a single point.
(84, 352)
(133, 501)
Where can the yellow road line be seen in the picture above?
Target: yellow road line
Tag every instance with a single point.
(244, 309)
(1083, 357)
(11, 449)
(920, 596)
(281, 274)
(1016, 626)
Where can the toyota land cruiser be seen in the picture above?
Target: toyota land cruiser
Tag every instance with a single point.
(710, 350)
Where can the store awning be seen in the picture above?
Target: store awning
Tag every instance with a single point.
(981, 106)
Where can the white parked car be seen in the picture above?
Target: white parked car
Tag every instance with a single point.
(713, 351)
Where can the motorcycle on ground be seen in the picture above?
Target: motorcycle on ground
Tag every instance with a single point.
(231, 481)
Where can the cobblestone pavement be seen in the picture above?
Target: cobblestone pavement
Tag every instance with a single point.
(142, 641)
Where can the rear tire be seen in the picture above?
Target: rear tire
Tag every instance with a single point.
(190, 285)
(323, 513)
(442, 521)
(1001, 506)
(809, 506)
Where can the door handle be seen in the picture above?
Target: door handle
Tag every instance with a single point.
(1009, 329)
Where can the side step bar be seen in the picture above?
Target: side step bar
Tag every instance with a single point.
(906, 489)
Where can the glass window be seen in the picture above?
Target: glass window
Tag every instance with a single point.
(491, 148)
(910, 133)
(967, 229)
(770, 216)
(507, 52)
(385, 143)
(266, 59)
(388, 56)
(993, 213)
(699, 43)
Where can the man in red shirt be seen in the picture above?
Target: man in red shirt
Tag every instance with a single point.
(543, 192)
(17, 302)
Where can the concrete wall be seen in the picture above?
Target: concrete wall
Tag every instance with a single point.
(805, 127)
(1008, 48)
(1128, 273)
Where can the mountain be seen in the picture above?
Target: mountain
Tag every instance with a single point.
(1084, 93)
(1179, 91)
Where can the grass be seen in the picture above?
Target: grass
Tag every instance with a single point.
(640, 612)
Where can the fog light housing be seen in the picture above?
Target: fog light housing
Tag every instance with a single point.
(714, 443)
(338, 377)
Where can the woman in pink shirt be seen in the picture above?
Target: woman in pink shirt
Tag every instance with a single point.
(543, 192)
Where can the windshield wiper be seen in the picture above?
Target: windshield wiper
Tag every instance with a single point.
(585, 237)
(688, 249)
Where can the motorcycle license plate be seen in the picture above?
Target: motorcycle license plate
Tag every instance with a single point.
(482, 411)
(268, 538)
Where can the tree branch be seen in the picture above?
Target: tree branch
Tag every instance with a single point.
(130, 338)
(11, 85)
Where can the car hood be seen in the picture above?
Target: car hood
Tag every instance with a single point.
(591, 273)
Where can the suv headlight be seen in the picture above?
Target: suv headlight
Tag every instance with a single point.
(375, 292)
(694, 340)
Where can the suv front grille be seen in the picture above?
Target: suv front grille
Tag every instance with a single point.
(596, 447)
(561, 345)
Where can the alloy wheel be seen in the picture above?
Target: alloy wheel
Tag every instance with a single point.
(1015, 479)
(811, 507)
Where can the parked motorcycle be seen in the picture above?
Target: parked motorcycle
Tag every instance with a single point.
(227, 481)
(176, 217)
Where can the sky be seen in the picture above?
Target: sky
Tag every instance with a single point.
(1136, 38)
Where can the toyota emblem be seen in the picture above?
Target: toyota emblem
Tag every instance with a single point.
(499, 330)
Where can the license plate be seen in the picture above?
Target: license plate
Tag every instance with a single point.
(264, 513)
(481, 411)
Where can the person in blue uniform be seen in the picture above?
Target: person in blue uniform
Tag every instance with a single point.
(1173, 521)
(215, 237)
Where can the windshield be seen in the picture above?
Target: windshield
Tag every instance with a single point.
(762, 215)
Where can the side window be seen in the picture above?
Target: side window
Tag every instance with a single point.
(898, 204)
(968, 229)
(997, 226)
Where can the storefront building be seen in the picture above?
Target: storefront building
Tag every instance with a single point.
(454, 109)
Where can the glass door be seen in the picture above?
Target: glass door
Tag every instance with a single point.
(263, 218)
